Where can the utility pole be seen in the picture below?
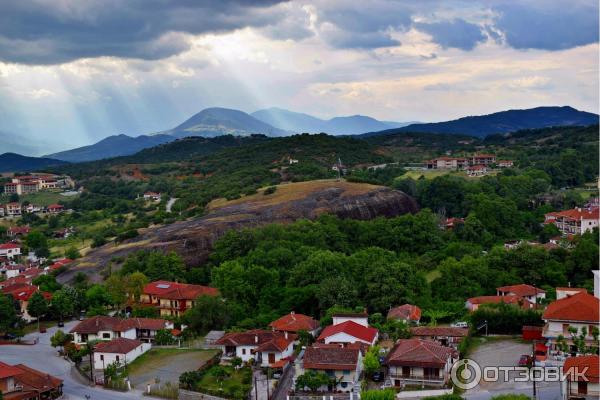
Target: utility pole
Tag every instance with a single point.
(91, 364)
(533, 374)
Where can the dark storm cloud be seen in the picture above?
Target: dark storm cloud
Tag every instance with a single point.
(549, 26)
(51, 32)
(457, 33)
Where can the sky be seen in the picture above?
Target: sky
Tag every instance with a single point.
(75, 71)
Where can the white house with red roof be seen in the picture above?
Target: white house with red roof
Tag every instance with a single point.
(473, 303)
(446, 163)
(476, 170)
(120, 350)
(408, 313)
(102, 327)
(152, 196)
(349, 332)
(267, 348)
(581, 310)
(10, 250)
(55, 208)
(531, 293)
(582, 378)
(343, 363)
(418, 361)
(361, 318)
(174, 298)
(21, 293)
(294, 323)
(576, 221)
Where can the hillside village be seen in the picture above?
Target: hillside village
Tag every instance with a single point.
(110, 331)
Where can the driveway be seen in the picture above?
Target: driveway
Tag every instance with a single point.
(44, 357)
(506, 353)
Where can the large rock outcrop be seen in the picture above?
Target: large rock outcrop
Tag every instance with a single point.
(193, 239)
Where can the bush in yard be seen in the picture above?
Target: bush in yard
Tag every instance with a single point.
(312, 380)
(387, 394)
(164, 337)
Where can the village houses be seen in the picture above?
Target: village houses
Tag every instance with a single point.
(342, 363)
(173, 298)
(20, 382)
(408, 313)
(119, 350)
(102, 327)
(576, 221)
(266, 348)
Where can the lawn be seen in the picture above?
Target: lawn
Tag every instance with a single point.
(166, 364)
(41, 198)
(434, 173)
(235, 384)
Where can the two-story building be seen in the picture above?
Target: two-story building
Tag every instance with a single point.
(10, 250)
(581, 310)
(473, 303)
(576, 221)
(342, 364)
(266, 348)
(447, 163)
(174, 298)
(420, 362)
(20, 382)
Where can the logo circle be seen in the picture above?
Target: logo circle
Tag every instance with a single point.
(465, 374)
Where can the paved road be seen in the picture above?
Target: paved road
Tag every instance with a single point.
(506, 353)
(44, 357)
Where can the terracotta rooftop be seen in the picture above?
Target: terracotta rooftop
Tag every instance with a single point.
(33, 379)
(331, 358)
(141, 323)
(351, 328)
(117, 346)
(293, 322)
(178, 291)
(581, 306)
(8, 246)
(439, 331)
(96, 324)
(7, 370)
(578, 213)
(408, 312)
(575, 365)
(521, 290)
(419, 353)
(508, 299)
(254, 337)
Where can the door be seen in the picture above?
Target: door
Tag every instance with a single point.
(271, 358)
(581, 387)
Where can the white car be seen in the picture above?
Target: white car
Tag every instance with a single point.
(460, 324)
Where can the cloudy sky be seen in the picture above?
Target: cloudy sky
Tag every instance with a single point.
(75, 71)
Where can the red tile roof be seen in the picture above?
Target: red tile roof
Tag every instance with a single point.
(117, 346)
(178, 291)
(576, 365)
(419, 353)
(18, 230)
(8, 246)
(293, 322)
(521, 290)
(153, 324)
(408, 312)
(439, 331)
(7, 370)
(96, 324)
(331, 358)
(579, 307)
(508, 299)
(366, 334)
(24, 292)
(278, 343)
(578, 213)
(34, 379)
(254, 337)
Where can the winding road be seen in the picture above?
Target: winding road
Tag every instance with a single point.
(43, 357)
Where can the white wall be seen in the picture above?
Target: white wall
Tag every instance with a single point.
(110, 358)
(345, 338)
(361, 321)
(278, 355)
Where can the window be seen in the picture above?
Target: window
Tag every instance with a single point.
(117, 358)
(346, 372)
(106, 335)
(101, 357)
(244, 351)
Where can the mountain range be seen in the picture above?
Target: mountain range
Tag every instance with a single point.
(16, 162)
(503, 122)
(300, 123)
(213, 122)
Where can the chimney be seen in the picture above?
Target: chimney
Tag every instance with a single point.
(255, 338)
(285, 334)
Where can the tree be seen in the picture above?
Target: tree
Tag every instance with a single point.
(62, 304)
(116, 287)
(135, 284)
(371, 361)
(312, 380)
(209, 312)
(37, 242)
(164, 337)
(72, 253)
(46, 283)
(8, 313)
(60, 339)
(37, 306)
(578, 338)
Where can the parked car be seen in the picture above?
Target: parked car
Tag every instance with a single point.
(460, 324)
(525, 360)
(377, 376)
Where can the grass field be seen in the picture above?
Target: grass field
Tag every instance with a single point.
(434, 173)
(40, 198)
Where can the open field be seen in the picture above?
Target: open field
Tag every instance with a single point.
(293, 191)
(166, 364)
(434, 173)
(40, 198)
